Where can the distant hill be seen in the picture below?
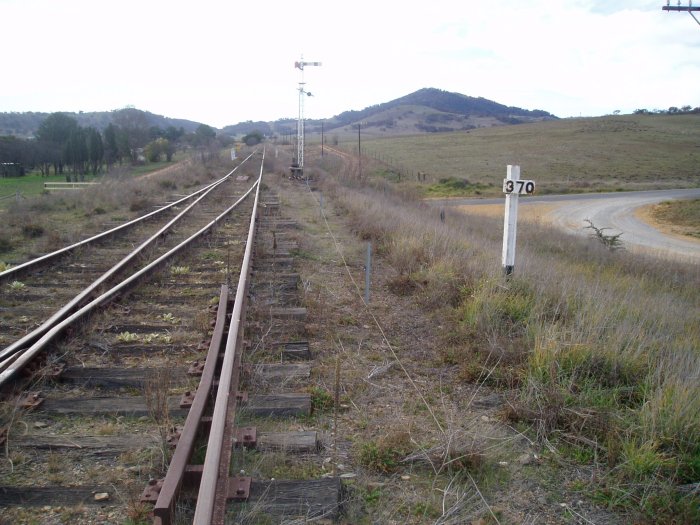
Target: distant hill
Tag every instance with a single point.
(428, 110)
(24, 125)
(449, 111)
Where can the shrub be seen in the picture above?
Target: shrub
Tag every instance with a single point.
(5, 244)
(32, 231)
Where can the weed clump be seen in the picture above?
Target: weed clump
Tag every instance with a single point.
(385, 454)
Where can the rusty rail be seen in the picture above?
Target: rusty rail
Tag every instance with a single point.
(214, 485)
(170, 486)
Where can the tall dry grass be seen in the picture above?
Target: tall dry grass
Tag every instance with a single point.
(599, 350)
(66, 217)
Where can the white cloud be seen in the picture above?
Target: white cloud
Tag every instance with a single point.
(221, 62)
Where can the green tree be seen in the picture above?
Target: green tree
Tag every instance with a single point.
(253, 138)
(174, 134)
(156, 148)
(95, 150)
(111, 149)
(55, 131)
(135, 126)
(204, 135)
(75, 153)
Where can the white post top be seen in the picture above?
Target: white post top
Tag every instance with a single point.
(513, 172)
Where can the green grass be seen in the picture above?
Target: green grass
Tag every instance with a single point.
(630, 152)
(29, 185)
(33, 184)
(456, 187)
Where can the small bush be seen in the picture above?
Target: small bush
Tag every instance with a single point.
(385, 454)
(32, 231)
(321, 399)
(5, 244)
(140, 204)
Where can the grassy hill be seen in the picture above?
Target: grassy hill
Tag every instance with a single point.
(427, 110)
(631, 152)
(431, 110)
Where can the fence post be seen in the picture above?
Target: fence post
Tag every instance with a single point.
(368, 271)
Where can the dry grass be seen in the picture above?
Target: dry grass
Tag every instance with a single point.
(680, 216)
(64, 218)
(600, 348)
(156, 390)
(569, 155)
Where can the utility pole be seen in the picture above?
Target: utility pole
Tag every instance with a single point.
(298, 164)
(359, 148)
(688, 8)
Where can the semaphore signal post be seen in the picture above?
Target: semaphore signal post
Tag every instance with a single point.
(690, 8)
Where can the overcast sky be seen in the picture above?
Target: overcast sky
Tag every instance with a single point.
(225, 62)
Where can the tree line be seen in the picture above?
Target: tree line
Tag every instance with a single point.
(673, 110)
(61, 145)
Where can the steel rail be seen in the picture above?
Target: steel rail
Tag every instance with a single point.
(74, 303)
(165, 504)
(19, 360)
(206, 498)
(15, 271)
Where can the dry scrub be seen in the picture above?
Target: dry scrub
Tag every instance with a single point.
(50, 221)
(597, 350)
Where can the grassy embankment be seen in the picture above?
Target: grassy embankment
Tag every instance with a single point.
(40, 222)
(631, 152)
(32, 184)
(682, 217)
(598, 351)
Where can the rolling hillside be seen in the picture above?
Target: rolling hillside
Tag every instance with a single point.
(432, 110)
(427, 110)
(612, 153)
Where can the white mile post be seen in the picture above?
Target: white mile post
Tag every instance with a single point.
(511, 219)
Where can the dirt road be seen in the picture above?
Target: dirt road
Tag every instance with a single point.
(620, 212)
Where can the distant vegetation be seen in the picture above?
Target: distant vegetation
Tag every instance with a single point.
(25, 125)
(60, 144)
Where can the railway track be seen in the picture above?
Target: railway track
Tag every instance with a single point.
(69, 277)
(134, 413)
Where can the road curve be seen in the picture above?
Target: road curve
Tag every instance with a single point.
(615, 211)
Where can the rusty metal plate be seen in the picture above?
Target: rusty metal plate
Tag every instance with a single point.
(54, 371)
(196, 369)
(187, 399)
(31, 400)
(242, 396)
(152, 490)
(246, 437)
(174, 436)
(239, 488)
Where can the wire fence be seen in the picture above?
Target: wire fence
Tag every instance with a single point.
(17, 195)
